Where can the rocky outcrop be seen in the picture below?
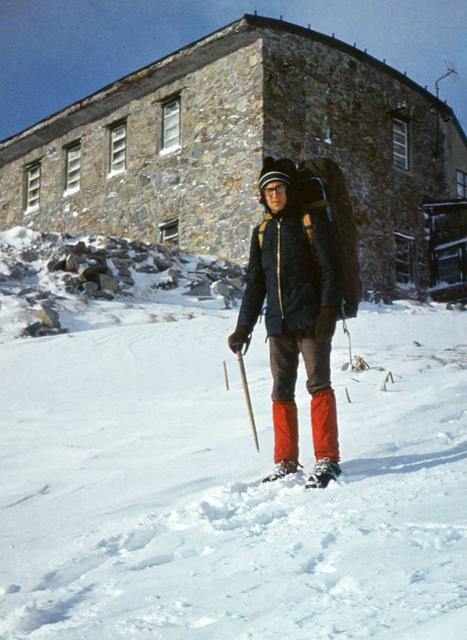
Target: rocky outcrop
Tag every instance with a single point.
(42, 269)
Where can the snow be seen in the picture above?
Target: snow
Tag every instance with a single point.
(131, 499)
(18, 237)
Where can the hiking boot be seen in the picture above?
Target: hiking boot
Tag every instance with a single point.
(283, 468)
(323, 473)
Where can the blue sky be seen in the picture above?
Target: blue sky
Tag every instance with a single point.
(55, 52)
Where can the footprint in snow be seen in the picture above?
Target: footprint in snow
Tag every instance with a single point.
(35, 615)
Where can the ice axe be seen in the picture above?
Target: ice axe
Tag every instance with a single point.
(247, 396)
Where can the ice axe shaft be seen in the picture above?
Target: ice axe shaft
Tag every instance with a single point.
(247, 398)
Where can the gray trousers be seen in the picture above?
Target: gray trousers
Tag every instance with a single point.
(284, 353)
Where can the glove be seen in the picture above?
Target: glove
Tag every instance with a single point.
(325, 324)
(239, 337)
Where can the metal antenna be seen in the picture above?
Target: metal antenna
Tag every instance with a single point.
(450, 70)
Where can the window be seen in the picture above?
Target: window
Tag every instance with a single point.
(33, 186)
(400, 144)
(171, 125)
(169, 231)
(461, 184)
(73, 168)
(404, 258)
(451, 264)
(117, 162)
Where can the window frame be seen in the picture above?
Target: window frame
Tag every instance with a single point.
(69, 148)
(112, 128)
(171, 239)
(458, 247)
(167, 148)
(409, 240)
(461, 183)
(28, 208)
(405, 145)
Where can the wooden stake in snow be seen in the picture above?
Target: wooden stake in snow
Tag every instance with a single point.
(226, 376)
(347, 332)
(247, 398)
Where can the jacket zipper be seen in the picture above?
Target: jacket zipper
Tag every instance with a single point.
(279, 290)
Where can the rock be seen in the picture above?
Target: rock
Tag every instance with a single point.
(90, 271)
(42, 295)
(77, 249)
(57, 262)
(71, 283)
(161, 262)
(141, 257)
(29, 255)
(32, 330)
(89, 287)
(237, 283)
(38, 330)
(222, 288)
(48, 315)
(146, 268)
(108, 282)
(124, 273)
(102, 295)
(199, 288)
(27, 292)
(73, 262)
(121, 254)
(232, 270)
(121, 263)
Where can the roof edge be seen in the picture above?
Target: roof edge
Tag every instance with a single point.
(108, 87)
(331, 41)
(253, 21)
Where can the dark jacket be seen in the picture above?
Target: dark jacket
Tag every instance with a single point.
(296, 279)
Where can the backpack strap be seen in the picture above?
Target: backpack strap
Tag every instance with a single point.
(308, 226)
(318, 204)
(262, 229)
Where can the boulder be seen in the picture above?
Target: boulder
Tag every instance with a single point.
(161, 262)
(108, 282)
(77, 249)
(73, 262)
(48, 315)
(90, 271)
(89, 287)
(29, 255)
(146, 268)
(199, 288)
(103, 294)
(57, 262)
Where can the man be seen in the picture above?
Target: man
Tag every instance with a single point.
(302, 283)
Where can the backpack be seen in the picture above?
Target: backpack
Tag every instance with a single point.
(319, 185)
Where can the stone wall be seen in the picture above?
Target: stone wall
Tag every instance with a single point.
(320, 101)
(208, 183)
(455, 156)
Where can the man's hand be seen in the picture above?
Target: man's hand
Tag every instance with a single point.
(239, 337)
(325, 324)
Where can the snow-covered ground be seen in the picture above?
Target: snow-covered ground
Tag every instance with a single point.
(130, 497)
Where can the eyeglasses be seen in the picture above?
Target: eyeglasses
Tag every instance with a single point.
(270, 190)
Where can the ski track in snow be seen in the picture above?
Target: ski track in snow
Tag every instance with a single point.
(378, 553)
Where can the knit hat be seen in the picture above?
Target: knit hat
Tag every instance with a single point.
(282, 170)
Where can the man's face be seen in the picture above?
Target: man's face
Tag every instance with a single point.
(275, 194)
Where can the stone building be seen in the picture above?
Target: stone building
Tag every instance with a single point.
(172, 151)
